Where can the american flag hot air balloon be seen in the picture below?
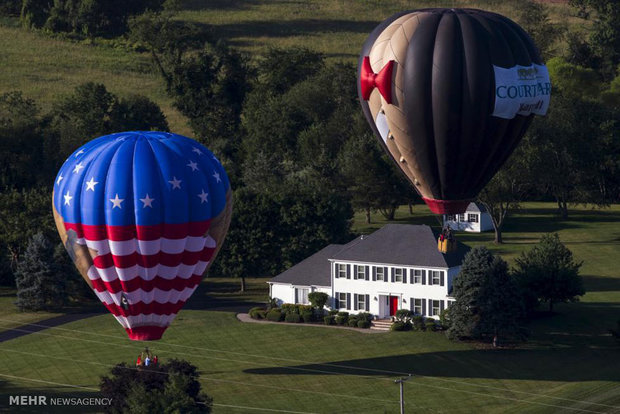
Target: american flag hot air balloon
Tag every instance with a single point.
(142, 215)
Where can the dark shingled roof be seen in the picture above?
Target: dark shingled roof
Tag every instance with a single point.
(401, 244)
(315, 270)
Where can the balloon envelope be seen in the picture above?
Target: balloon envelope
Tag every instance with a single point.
(142, 215)
(449, 93)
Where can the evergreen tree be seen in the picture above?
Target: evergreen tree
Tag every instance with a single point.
(39, 283)
(548, 273)
(488, 302)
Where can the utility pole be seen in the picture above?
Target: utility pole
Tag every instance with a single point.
(402, 395)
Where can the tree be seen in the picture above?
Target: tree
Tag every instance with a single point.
(548, 273)
(171, 387)
(604, 39)
(534, 18)
(505, 190)
(487, 301)
(92, 111)
(38, 280)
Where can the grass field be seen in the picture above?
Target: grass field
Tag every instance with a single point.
(570, 363)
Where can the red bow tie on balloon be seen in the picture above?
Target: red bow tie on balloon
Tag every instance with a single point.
(382, 80)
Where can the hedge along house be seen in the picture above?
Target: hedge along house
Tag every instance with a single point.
(396, 267)
(476, 219)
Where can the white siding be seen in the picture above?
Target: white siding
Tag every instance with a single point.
(484, 222)
(285, 293)
(379, 291)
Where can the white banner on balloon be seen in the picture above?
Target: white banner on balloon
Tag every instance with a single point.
(521, 90)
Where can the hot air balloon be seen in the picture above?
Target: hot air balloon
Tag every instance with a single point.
(142, 215)
(449, 93)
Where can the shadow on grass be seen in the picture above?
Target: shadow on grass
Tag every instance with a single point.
(564, 364)
(203, 298)
(601, 284)
(197, 5)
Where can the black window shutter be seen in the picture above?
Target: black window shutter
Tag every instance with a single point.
(411, 272)
(385, 274)
(355, 301)
(336, 302)
(423, 307)
(404, 275)
(336, 270)
(423, 277)
(367, 303)
(392, 275)
(354, 271)
(367, 273)
(440, 306)
(430, 277)
(441, 278)
(374, 273)
(348, 301)
(348, 271)
(411, 304)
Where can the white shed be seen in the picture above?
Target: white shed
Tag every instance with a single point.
(476, 219)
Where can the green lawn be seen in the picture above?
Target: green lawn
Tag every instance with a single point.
(570, 363)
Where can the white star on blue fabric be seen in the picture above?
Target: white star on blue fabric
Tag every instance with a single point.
(175, 183)
(78, 167)
(117, 202)
(193, 165)
(60, 177)
(67, 199)
(147, 201)
(78, 153)
(203, 197)
(197, 150)
(216, 175)
(90, 185)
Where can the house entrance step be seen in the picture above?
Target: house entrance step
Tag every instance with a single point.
(381, 324)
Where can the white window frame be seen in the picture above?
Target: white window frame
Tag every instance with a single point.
(461, 217)
(433, 308)
(361, 272)
(417, 276)
(298, 291)
(417, 307)
(396, 271)
(381, 269)
(432, 278)
(361, 302)
(472, 218)
(341, 271)
(342, 301)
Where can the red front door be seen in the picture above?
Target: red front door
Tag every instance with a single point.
(393, 305)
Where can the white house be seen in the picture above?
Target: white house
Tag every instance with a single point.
(396, 267)
(475, 219)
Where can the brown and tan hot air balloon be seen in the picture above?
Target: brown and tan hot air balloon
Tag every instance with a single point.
(449, 93)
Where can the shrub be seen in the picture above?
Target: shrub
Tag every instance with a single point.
(403, 315)
(290, 308)
(418, 323)
(333, 312)
(342, 318)
(307, 316)
(364, 324)
(257, 313)
(329, 319)
(292, 317)
(352, 321)
(304, 308)
(318, 299)
(275, 315)
(444, 319)
(430, 324)
(397, 326)
(364, 316)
